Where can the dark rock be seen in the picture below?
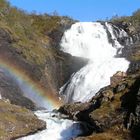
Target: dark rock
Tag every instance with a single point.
(60, 67)
(72, 110)
(134, 67)
(121, 87)
(131, 105)
(9, 90)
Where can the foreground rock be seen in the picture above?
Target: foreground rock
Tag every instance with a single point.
(114, 112)
(17, 122)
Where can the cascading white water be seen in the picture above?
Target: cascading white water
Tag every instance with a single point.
(99, 44)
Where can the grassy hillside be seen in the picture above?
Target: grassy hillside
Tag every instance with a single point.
(33, 44)
(31, 34)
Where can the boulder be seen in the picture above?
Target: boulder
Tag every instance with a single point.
(117, 78)
(73, 110)
(108, 95)
(17, 121)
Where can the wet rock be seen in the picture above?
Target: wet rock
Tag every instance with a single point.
(60, 67)
(72, 110)
(10, 91)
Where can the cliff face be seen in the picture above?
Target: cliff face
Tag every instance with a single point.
(9, 90)
(59, 68)
(33, 45)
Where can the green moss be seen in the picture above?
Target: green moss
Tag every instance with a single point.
(8, 117)
(2, 133)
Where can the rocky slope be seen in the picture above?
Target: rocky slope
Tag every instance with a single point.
(113, 113)
(16, 121)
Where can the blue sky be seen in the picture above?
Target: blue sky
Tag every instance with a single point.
(83, 10)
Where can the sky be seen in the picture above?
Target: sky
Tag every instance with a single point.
(82, 10)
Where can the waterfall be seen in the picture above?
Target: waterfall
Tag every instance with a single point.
(99, 43)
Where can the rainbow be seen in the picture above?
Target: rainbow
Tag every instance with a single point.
(32, 89)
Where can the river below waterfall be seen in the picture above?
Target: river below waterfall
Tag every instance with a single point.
(57, 128)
